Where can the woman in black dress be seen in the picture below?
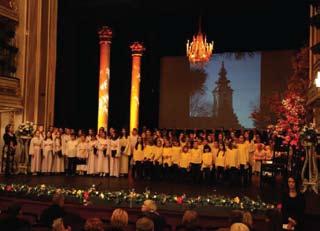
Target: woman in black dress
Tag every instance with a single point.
(293, 205)
(10, 142)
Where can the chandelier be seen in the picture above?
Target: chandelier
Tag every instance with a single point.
(199, 51)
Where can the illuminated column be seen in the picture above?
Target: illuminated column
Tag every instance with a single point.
(137, 50)
(105, 35)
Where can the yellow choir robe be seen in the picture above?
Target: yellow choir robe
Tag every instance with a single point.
(167, 151)
(138, 154)
(184, 161)
(207, 160)
(157, 154)
(220, 159)
(232, 158)
(243, 154)
(148, 152)
(196, 156)
(175, 154)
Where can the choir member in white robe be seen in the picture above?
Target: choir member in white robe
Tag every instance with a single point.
(47, 157)
(92, 166)
(132, 140)
(90, 135)
(65, 137)
(103, 159)
(71, 151)
(124, 158)
(35, 153)
(58, 159)
(114, 154)
(82, 155)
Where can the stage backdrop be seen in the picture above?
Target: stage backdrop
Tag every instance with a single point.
(224, 93)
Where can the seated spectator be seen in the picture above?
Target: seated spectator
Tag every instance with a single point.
(247, 220)
(149, 210)
(11, 221)
(144, 224)
(54, 211)
(239, 227)
(59, 226)
(189, 221)
(94, 224)
(119, 220)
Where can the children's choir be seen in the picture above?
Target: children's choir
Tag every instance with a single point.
(179, 156)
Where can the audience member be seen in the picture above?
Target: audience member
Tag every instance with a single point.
(94, 224)
(119, 220)
(144, 224)
(149, 210)
(189, 221)
(58, 225)
(54, 211)
(239, 227)
(11, 221)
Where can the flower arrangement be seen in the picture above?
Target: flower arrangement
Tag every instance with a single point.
(131, 197)
(25, 130)
(308, 135)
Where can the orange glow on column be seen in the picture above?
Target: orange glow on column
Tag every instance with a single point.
(105, 35)
(137, 50)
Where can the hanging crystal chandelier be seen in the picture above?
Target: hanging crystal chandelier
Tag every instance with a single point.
(199, 51)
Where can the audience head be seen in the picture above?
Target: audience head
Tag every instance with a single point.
(58, 199)
(149, 206)
(239, 227)
(144, 224)
(94, 224)
(14, 210)
(190, 217)
(119, 218)
(58, 225)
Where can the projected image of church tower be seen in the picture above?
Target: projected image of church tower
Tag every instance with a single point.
(223, 112)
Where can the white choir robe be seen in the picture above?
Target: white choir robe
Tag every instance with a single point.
(65, 138)
(58, 161)
(124, 158)
(132, 140)
(103, 160)
(35, 154)
(82, 153)
(114, 146)
(92, 164)
(47, 157)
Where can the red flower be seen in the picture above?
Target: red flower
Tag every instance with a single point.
(279, 206)
(85, 195)
(179, 200)
(9, 188)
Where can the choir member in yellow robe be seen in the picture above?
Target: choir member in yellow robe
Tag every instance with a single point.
(167, 162)
(232, 163)
(220, 162)
(175, 157)
(157, 159)
(47, 158)
(35, 153)
(207, 162)
(148, 152)
(184, 163)
(196, 160)
(138, 157)
(243, 151)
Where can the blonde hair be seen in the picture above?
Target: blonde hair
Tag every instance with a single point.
(150, 205)
(144, 224)
(57, 225)
(94, 224)
(189, 217)
(239, 227)
(119, 218)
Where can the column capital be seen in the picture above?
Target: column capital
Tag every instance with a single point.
(105, 34)
(137, 48)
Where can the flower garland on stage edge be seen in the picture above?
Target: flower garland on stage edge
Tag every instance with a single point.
(131, 197)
